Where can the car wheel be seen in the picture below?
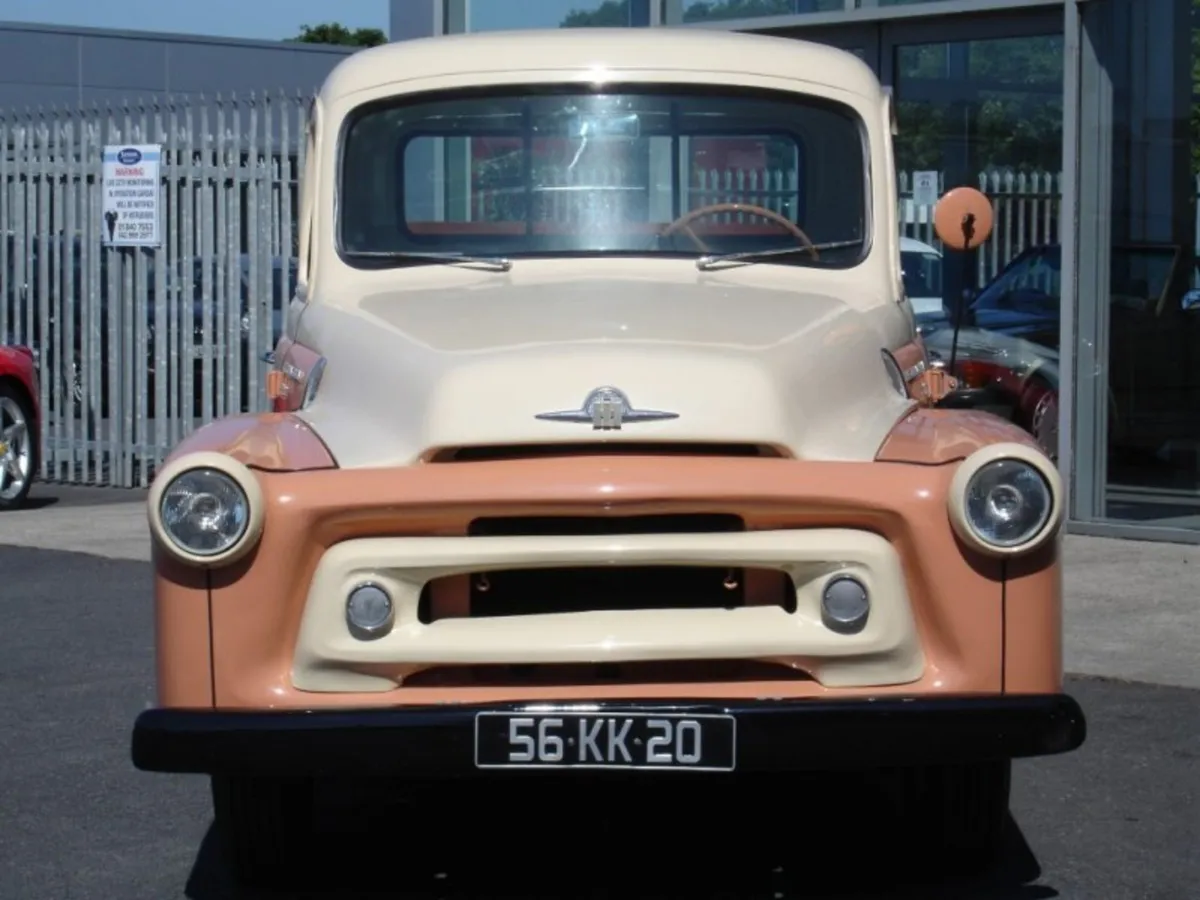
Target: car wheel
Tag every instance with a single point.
(265, 827)
(18, 447)
(957, 813)
(1040, 408)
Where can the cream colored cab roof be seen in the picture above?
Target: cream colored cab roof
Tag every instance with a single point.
(719, 55)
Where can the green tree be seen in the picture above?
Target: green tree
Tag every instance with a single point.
(336, 33)
(708, 11)
(1016, 110)
(1012, 115)
(615, 13)
(610, 14)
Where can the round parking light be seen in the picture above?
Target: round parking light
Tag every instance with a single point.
(369, 611)
(845, 605)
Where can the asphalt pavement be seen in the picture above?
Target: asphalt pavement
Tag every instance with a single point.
(1118, 819)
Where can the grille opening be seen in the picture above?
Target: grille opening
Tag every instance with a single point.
(598, 448)
(593, 674)
(552, 591)
(664, 523)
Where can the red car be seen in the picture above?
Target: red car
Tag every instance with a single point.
(19, 417)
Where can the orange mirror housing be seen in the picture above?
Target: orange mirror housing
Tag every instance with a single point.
(963, 218)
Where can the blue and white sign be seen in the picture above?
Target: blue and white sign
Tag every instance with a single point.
(131, 216)
(925, 188)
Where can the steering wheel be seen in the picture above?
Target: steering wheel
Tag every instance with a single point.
(688, 217)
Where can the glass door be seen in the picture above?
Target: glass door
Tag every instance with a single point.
(981, 104)
(1138, 352)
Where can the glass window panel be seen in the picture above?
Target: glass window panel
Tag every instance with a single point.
(1149, 382)
(988, 113)
(559, 172)
(872, 3)
(723, 10)
(501, 15)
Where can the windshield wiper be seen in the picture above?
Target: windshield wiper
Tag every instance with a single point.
(499, 263)
(711, 259)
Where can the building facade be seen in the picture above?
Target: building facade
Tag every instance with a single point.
(49, 66)
(1076, 116)
(1080, 117)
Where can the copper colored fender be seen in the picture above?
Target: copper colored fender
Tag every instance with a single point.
(273, 442)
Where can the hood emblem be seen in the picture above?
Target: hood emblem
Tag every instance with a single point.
(607, 408)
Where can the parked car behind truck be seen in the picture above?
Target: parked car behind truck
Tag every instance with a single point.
(1008, 348)
(20, 424)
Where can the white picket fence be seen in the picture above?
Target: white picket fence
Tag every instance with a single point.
(1026, 209)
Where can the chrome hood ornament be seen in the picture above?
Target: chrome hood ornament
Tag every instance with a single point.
(607, 408)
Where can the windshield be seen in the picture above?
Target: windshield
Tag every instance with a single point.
(567, 173)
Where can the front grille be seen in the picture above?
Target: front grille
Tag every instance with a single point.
(667, 523)
(540, 591)
(550, 591)
(591, 674)
(597, 448)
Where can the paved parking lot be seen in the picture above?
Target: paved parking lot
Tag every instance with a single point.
(1117, 820)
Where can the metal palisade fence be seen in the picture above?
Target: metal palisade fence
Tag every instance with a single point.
(137, 346)
(1026, 205)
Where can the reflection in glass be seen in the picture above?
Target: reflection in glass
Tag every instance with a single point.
(921, 270)
(1147, 389)
(725, 10)
(561, 172)
(497, 15)
(986, 113)
(996, 104)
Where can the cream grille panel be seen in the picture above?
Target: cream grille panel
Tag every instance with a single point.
(329, 658)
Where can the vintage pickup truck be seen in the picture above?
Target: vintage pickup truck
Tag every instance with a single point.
(585, 457)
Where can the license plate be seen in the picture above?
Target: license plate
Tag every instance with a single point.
(701, 742)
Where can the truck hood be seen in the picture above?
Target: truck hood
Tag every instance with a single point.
(474, 363)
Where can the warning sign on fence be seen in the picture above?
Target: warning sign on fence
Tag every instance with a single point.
(925, 188)
(131, 190)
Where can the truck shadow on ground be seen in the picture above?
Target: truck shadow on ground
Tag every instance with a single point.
(629, 845)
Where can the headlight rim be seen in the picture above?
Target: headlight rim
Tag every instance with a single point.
(973, 465)
(236, 471)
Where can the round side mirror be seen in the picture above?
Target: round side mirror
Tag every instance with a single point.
(963, 218)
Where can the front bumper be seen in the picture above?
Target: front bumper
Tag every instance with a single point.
(769, 735)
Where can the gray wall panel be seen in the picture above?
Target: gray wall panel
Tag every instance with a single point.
(38, 58)
(43, 66)
(212, 68)
(122, 63)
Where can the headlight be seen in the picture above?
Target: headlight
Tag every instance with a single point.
(204, 512)
(206, 509)
(1008, 502)
(1006, 499)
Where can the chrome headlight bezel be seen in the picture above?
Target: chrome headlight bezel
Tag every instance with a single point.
(964, 478)
(225, 467)
(895, 373)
